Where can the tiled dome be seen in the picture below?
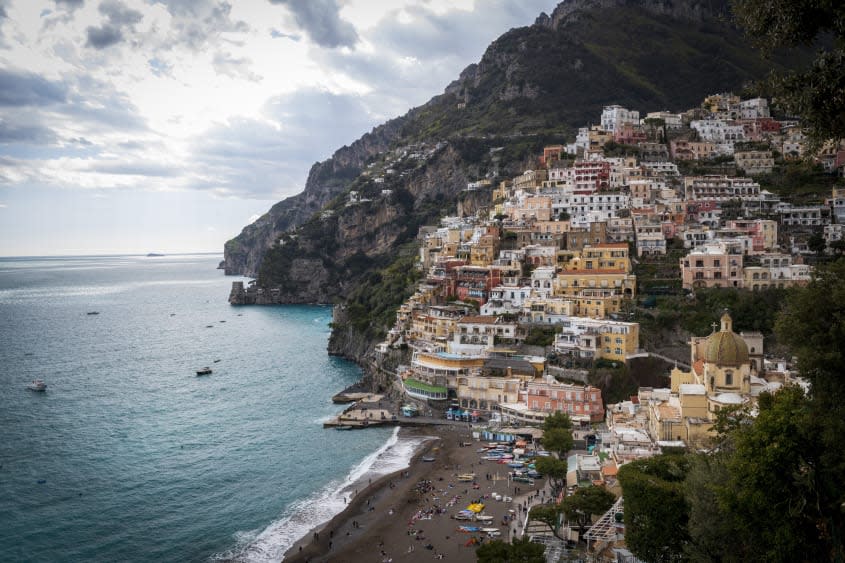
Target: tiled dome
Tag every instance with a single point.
(726, 348)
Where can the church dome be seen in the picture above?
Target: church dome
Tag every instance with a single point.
(726, 348)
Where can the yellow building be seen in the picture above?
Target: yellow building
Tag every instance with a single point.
(573, 282)
(722, 376)
(606, 256)
(485, 251)
(435, 324)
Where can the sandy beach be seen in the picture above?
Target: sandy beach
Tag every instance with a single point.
(409, 515)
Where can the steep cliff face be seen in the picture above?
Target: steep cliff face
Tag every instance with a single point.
(549, 77)
(243, 254)
(330, 253)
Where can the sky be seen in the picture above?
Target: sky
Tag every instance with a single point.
(135, 126)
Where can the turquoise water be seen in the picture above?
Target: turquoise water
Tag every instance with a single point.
(129, 456)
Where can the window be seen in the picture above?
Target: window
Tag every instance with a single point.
(729, 378)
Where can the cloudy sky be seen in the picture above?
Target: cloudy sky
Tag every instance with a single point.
(168, 125)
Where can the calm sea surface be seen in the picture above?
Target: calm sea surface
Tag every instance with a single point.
(129, 456)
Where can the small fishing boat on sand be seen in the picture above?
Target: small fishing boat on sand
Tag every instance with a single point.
(466, 477)
(37, 385)
(204, 371)
(428, 458)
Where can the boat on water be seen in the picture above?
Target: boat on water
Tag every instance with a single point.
(37, 385)
(204, 371)
(92, 313)
(343, 427)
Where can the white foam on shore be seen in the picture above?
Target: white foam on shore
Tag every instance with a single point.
(304, 515)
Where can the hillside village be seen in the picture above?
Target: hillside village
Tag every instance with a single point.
(555, 257)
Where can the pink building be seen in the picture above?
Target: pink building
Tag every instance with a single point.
(582, 403)
(711, 265)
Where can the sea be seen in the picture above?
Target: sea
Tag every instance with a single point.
(129, 455)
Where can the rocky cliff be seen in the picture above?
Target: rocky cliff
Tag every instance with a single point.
(532, 86)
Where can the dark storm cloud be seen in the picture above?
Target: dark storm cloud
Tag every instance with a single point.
(120, 15)
(195, 22)
(102, 37)
(70, 4)
(118, 18)
(28, 89)
(321, 21)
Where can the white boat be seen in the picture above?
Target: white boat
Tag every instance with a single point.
(37, 385)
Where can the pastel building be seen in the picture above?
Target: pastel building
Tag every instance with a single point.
(711, 265)
(584, 337)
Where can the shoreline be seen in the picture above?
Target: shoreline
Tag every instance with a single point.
(314, 543)
(408, 515)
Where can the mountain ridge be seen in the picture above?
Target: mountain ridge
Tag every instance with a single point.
(533, 85)
(507, 92)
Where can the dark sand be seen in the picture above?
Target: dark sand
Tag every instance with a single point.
(387, 521)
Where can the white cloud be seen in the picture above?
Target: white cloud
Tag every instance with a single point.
(237, 99)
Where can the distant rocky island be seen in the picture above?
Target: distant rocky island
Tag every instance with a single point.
(153, 255)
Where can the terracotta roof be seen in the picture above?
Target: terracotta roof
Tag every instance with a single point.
(609, 470)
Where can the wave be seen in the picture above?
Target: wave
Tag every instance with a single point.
(271, 543)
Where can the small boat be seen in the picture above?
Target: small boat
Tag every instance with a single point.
(216, 361)
(484, 518)
(466, 477)
(37, 385)
(428, 458)
(343, 427)
(204, 371)
(92, 313)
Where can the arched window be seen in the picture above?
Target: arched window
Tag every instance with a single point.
(712, 382)
(729, 378)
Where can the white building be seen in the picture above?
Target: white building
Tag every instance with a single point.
(754, 108)
(614, 117)
(718, 131)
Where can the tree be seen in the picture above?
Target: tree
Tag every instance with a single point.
(554, 470)
(656, 512)
(816, 243)
(557, 420)
(548, 514)
(586, 503)
(812, 324)
(816, 93)
(771, 492)
(520, 551)
(557, 433)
